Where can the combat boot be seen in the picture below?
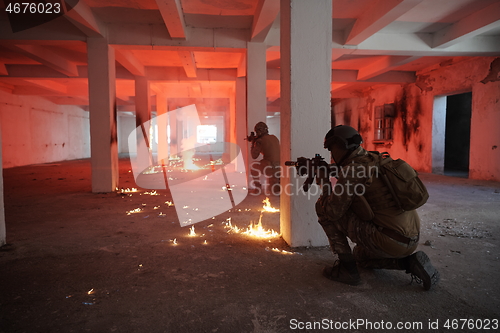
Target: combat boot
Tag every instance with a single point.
(344, 270)
(421, 269)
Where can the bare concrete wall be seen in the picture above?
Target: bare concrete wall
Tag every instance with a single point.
(414, 114)
(126, 124)
(35, 130)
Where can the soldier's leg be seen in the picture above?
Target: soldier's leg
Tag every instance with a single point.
(418, 265)
(345, 270)
(255, 172)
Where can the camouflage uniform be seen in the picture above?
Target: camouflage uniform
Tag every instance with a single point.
(339, 215)
(269, 146)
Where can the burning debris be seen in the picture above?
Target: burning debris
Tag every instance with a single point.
(253, 230)
(192, 233)
(267, 206)
(133, 211)
(151, 193)
(275, 249)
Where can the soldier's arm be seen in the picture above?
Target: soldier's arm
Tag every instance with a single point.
(256, 148)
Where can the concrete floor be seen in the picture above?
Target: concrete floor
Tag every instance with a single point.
(76, 262)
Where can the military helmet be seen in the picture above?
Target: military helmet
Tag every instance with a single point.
(345, 134)
(261, 126)
(261, 129)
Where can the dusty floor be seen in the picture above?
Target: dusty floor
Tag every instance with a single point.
(76, 262)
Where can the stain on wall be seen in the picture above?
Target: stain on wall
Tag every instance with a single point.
(408, 112)
(347, 117)
(494, 72)
(425, 83)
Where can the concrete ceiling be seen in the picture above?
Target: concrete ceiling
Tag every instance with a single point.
(190, 48)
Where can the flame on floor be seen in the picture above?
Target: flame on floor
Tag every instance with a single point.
(192, 233)
(275, 249)
(253, 230)
(187, 158)
(133, 211)
(267, 206)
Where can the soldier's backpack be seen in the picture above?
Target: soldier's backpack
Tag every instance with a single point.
(403, 182)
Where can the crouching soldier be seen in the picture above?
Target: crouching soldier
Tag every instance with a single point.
(385, 236)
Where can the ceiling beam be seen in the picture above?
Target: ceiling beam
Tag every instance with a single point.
(188, 62)
(7, 87)
(178, 74)
(81, 16)
(173, 17)
(3, 69)
(241, 71)
(47, 57)
(50, 85)
(155, 36)
(265, 14)
(196, 89)
(476, 23)
(420, 45)
(381, 64)
(342, 76)
(127, 59)
(336, 86)
(378, 15)
(68, 100)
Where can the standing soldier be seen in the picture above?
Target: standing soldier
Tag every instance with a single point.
(269, 146)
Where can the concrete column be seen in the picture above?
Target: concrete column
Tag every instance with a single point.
(306, 54)
(161, 115)
(102, 105)
(172, 122)
(143, 117)
(3, 233)
(256, 84)
(240, 115)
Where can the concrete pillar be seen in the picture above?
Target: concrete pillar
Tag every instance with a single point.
(306, 54)
(143, 117)
(256, 84)
(162, 122)
(241, 121)
(3, 233)
(102, 105)
(172, 122)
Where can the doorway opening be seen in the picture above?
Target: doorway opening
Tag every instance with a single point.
(451, 134)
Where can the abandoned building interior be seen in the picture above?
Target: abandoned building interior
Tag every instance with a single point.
(93, 96)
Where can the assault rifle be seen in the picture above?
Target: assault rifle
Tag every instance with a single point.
(309, 167)
(252, 137)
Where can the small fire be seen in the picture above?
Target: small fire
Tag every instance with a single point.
(152, 193)
(169, 203)
(128, 190)
(174, 241)
(232, 228)
(258, 231)
(192, 233)
(267, 206)
(275, 249)
(187, 157)
(133, 211)
(253, 230)
(90, 292)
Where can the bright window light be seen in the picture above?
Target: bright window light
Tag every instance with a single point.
(206, 133)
